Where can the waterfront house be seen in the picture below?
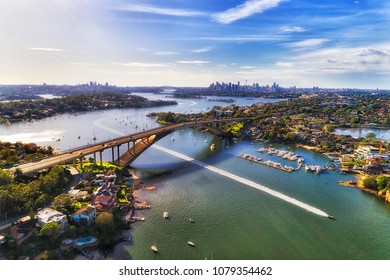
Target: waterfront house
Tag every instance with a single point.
(48, 215)
(87, 214)
(103, 202)
(366, 151)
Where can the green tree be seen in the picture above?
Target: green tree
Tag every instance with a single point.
(370, 135)
(51, 230)
(370, 183)
(382, 182)
(290, 136)
(62, 201)
(329, 128)
(106, 224)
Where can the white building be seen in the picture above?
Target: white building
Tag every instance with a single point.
(87, 213)
(48, 215)
(366, 151)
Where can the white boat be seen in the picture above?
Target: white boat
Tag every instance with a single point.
(165, 215)
(191, 220)
(154, 248)
(212, 147)
(191, 243)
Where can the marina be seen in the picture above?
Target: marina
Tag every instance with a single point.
(268, 163)
(281, 153)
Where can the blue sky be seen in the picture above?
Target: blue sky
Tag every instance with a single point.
(304, 43)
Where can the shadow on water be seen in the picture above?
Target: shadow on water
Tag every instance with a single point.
(117, 251)
(155, 169)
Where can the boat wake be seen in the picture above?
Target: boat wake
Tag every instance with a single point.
(221, 172)
(246, 182)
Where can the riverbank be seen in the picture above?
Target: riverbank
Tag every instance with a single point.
(358, 184)
(310, 148)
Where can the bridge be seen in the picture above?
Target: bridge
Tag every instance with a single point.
(136, 144)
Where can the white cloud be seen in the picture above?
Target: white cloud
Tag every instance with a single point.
(249, 8)
(161, 11)
(46, 49)
(247, 67)
(144, 64)
(166, 53)
(345, 60)
(309, 43)
(194, 62)
(284, 64)
(202, 50)
(292, 29)
(82, 64)
(245, 38)
(142, 50)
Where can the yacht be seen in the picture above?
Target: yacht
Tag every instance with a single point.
(154, 248)
(165, 215)
(191, 220)
(191, 243)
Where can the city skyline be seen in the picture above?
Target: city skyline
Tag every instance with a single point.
(301, 43)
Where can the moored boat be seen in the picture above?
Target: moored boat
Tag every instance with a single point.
(191, 243)
(154, 248)
(165, 215)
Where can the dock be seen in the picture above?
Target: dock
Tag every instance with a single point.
(141, 206)
(268, 163)
(136, 219)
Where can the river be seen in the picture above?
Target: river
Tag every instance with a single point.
(232, 219)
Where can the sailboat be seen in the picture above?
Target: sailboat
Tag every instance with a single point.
(94, 137)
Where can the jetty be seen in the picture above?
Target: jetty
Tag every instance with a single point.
(282, 154)
(138, 206)
(268, 163)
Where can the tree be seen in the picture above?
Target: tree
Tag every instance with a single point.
(370, 135)
(106, 224)
(290, 136)
(51, 230)
(329, 128)
(62, 201)
(370, 183)
(382, 182)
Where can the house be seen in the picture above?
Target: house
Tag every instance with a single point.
(87, 213)
(48, 215)
(366, 151)
(103, 202)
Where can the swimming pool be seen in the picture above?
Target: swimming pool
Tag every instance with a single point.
(85, 241)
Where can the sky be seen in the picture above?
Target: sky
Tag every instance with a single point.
(303, 43)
